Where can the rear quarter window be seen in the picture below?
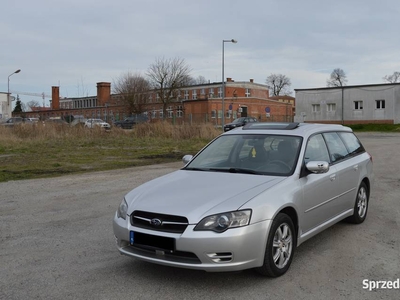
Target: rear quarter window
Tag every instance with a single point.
(352, 143)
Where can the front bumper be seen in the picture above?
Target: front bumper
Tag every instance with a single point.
(233, 250)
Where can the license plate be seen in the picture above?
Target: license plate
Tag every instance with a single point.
(152, 241)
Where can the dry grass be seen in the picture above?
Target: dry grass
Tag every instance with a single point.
(38, 151)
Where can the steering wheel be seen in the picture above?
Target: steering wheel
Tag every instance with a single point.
(280, 163)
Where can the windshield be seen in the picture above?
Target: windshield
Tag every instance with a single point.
(251, 154)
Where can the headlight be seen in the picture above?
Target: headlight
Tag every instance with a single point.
(224, 221)
(122, 209)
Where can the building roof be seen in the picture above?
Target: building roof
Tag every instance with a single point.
(284, 97)
(348, 86)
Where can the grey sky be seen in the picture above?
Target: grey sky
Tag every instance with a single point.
(76, 43)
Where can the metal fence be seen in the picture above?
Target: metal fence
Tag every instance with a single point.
(217, 121)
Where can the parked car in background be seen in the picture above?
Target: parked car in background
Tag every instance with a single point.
(11, 122)
(248, 199)
(129, 122)
(33, 120)
(56, 121)
(92, 123)
(239, 123)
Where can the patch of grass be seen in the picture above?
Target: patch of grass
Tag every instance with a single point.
(44, 151)
(376, 127)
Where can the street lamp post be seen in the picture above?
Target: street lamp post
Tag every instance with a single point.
(223, 80)
(8, 92)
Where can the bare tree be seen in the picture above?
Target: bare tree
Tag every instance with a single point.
(167, 76)
(194, 81)
(201, 80)
(395, 77)
(134, 91)
(338, 78)
(31, 104)
(279, 84)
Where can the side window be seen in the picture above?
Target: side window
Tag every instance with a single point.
(336, 147)
(316, 149)
(351, 141)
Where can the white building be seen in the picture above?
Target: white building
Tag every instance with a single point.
(5, 111)
(372, 103)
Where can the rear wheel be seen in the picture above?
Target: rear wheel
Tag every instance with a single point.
(280, 248)
(361, 205)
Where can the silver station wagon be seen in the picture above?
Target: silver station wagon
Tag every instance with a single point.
(248, 199)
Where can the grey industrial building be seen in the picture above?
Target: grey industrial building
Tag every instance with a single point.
(355, 104)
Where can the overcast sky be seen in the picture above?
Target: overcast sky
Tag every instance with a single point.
(77, 43)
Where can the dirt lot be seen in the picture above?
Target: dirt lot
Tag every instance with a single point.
(56, 242)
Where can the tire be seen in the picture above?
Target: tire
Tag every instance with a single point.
(361, 205)
(281, 244)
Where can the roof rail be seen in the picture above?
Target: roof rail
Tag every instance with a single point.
(271, 126)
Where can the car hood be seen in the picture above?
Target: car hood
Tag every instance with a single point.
(233, 124)
(196, 194)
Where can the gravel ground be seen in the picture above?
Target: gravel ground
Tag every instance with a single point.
(56, 242)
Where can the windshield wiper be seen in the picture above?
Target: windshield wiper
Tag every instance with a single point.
(235, 170)
(197, 169)
(230, 170)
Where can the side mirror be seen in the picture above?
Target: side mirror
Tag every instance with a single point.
(317, 167)
(187, 158)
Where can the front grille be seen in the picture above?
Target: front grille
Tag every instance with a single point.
(159, 222)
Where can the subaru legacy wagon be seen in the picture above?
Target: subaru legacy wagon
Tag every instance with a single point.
(248, 199)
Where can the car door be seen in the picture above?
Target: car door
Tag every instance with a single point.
(348, 169)
(319, 190)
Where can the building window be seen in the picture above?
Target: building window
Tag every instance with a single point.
(202, 92)
(153, 114)
(211, 92)
(161, 114)
(331, 107)
(358, 105)
(247, 93)
(179, 111)
(220, 92)
(170, 112)
(380, 104)
(219, 114)
(194, 94)
(316, 108)
(186, 95)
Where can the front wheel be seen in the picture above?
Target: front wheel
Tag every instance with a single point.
(361, 205)
(280, 248)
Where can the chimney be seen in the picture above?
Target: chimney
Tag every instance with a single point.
(228, 79)
(251, 80)
(103, 93)
(55, 97)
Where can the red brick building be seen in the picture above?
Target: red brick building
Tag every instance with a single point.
(196, 103)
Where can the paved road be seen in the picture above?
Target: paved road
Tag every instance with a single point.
(56, 242)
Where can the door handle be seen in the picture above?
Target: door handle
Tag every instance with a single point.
(332, 177)
(355, 167)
